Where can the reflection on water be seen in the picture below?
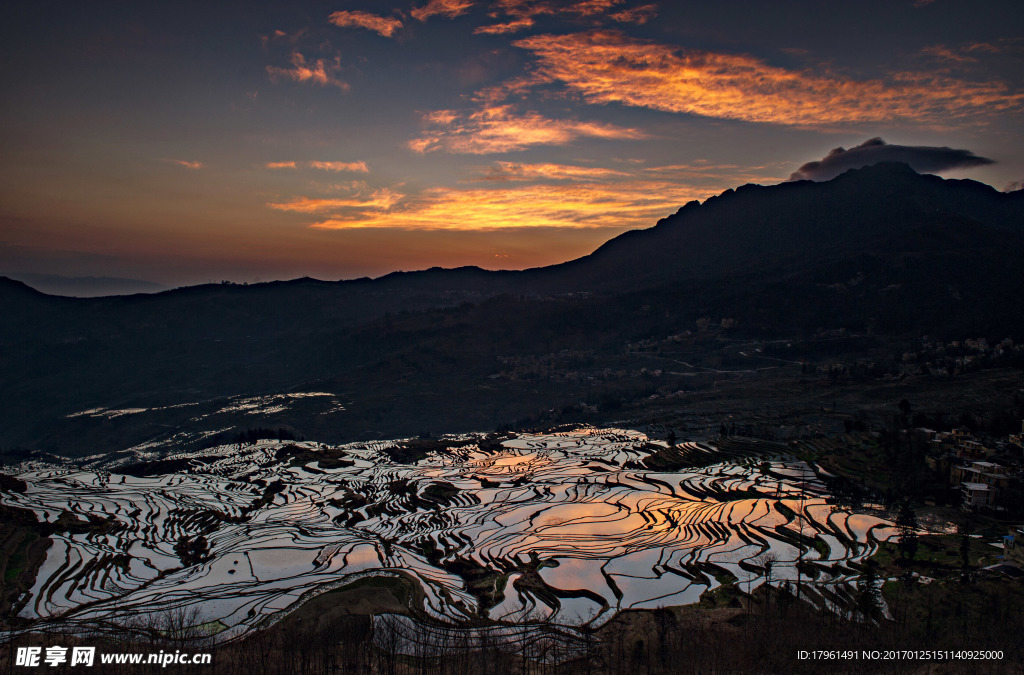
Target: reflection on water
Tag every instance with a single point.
(556, 526)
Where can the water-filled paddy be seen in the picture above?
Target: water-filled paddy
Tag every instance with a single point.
(558, 524)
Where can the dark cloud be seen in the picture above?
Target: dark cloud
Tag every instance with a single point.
(922, 158)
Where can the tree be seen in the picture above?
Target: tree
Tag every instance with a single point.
(786, 597)
(847, 494)
(965, 552)
(906, 523)
(766, 561)
(869, 598)
(664, 622)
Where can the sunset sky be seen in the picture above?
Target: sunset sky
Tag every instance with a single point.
(182, 142)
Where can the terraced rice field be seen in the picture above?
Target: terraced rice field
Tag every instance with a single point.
(530, 528)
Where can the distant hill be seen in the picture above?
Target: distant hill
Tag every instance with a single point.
(87, 287)
(880, 250)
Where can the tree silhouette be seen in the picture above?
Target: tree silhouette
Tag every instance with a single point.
(868, 597)
(906, 523)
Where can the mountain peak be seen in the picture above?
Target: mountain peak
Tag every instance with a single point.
(881, 169)
(758, 227)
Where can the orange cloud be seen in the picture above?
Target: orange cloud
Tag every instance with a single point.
(379, 24)
(608, 67)
(638, 15)
(587, 205)
(359, 166)
(320, 72)
(514, 87)
(515, 171)
(448, 8)
(379, 200)
(522, 9)
(499, 129)
(960, 54)
(341, 166)
(592, 7)
(944, 53)
(989, 47)
(530, 195)
(187, 164)
(280, 35)
(351, 186)
(500, 28)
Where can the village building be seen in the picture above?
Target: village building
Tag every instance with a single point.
(1013, 546)
(977, 495)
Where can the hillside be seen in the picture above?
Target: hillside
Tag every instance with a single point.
(880, 251)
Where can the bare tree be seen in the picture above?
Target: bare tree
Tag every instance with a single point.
(181, 623)
(766, 562)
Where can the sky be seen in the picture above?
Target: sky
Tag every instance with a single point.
(187, 142)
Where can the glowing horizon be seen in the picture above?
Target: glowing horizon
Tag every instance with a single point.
(366, 138)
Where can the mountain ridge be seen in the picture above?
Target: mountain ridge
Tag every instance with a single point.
(805, 215)
(692, 243)
(876, 251)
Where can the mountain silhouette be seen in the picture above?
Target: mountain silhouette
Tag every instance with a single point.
(795, 224)
(880, 250)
